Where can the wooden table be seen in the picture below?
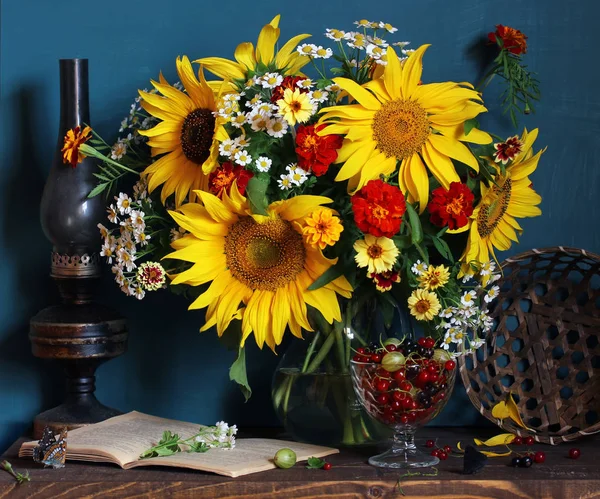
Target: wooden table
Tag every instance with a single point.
(349, 477)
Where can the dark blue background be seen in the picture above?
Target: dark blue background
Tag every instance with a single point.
(170, 369)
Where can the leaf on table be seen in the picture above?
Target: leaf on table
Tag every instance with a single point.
(314, 463)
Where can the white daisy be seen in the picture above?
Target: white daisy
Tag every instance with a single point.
(176, 234)
(142, 239)
(375, 40)
(492, 293)
(126, 259)
(242, 158)
(306, 83)
(487, 267)
(363, 23)
(226, 147)
(107, 252)
(123, 204)
(468, 298)
(322, 52)
(263, 164)
(388, 27)
(238, 120)
(401, 44)
(112, 214)
(103, 231)
(271, 80)
(336, 34)
(139, 293)
(419, 267)
(277, 127)
(285, 182)
(259, 122)
(307, 49)
(318, 95)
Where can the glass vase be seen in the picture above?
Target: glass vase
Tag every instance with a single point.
(312, 387)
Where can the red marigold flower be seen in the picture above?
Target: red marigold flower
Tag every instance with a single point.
(378, 208)
(451, 207)
(72, 142)
(508, 150)
(221, 179)
(316, 153)
(513, 40)
(383, 282)
(288, 82)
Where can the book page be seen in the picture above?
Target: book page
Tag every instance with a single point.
(250, 455)
(123, 438)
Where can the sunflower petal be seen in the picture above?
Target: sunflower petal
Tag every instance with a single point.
(223, 68)
(420, 180)
(265, 46)
(411, 72)
(454, 149)
(392, 76)
(244, 55)
(363, 96)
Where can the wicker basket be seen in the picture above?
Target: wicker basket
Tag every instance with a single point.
(546, 348)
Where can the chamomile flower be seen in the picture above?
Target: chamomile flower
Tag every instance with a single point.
(271, 80)
(375, 52)
(363, 23)
(447, 312)
(112, 214)
(241, 141)
(142, 238)
(226, 148)
(175, 234)
(357, 41)
(285, 182)
(487, 267)
(263, 164)
(139, 292)
(140, 189)
(419, 267)
(277, 127)
(242, 158)
(126, 259)
(108, 252)
(334, 87)
(128, 288)
(307, 49)
(447, 341)
(305, 83)
(319, 95)
(123, 204)
(239, 120)
(336, 34)
(137, 220)
(298, 176)
(492, 294)
(375, 40)
(254, 101)
(322, 52)
(468, 298)
(388, 27)
(477, 343)
(103, 231)
(400, 44)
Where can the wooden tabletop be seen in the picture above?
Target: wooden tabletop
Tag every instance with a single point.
(349, 477)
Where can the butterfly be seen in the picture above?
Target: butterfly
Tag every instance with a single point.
(49, 451)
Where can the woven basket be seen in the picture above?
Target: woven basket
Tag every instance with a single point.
(546, 348)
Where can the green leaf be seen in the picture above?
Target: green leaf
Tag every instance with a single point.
(415, 224)
(402, 242)
(331, 274)
(97, 190)
(198, 447)
(256, 191)
(314, 463)
(443, 248)
(237, 373)
(470, 124)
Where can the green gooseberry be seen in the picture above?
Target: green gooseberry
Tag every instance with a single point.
(285, 458)
(392, 361)
(392, 341)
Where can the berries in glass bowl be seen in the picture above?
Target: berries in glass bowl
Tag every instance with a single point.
(405, 390)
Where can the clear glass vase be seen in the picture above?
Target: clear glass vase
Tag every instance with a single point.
(312, 388)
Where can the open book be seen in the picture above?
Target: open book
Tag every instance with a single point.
(122, 439)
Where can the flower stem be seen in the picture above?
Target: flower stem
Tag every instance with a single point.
(311, 350)
(325, 348)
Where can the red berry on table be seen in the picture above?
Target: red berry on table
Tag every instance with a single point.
(539, 457)
(443, 456)
(449, 365)
(435, 453)
(517, 441)
(574, 453)
(327, 466)
(429, 443)
(447, 449)
(529, 440)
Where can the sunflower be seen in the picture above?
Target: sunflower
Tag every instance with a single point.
(493, 223)
(398, 120)
(286, 60)
(187, 135)
(259, 266)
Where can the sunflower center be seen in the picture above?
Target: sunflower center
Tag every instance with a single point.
(375, 251)
(422, 306)
(197, 135)
(491, 213)
(400, 128)
(264, 256)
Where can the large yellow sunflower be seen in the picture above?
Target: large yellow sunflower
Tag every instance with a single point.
(259, 266)
(493, 223)
(286, 61)
(396, 119)
(187, 135)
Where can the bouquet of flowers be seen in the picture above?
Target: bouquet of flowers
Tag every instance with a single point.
(302, 178)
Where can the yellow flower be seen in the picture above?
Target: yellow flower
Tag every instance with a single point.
(285, 61)
(72, 142)
(321, 228)
(493, 224)
(187, 136)
(434, 277)
(259, 268)
(295, 106)
(378, 254)
(398, 121)
(423, 304)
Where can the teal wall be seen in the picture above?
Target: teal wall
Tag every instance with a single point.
(170, 369)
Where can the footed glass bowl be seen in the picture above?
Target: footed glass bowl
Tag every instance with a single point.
(404, 400)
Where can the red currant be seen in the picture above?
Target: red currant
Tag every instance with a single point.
(443, 456)
(421, 342)
(405, 386)
(529, 440)
(539, 457)
(435, 453)
(391, 348)
(432, 369)
(574, 453)
(376, 357)
(400, 375)
(357, 358)
(447, 449)
(422, 378)
(404, 419)
(517, 441)
(360, 350)
(434, 378)
(407, 403)
(396, 405)
(399, 396)
(449, 365)
(383, 398)
(327, 466)
(429, 443)
(429, 342)
(382, 385)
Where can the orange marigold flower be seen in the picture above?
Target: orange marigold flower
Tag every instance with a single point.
(73, 140)
(512, 39)
(316, 153)
(221, 179)
(451, 207)
(384, 280)
(322, 228)
(378, 208)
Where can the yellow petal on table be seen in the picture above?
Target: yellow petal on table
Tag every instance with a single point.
(502, 439)
(495, 454)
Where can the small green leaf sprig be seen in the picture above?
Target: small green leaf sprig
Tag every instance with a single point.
(19, 477)
(314, 463)
(220, 436)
